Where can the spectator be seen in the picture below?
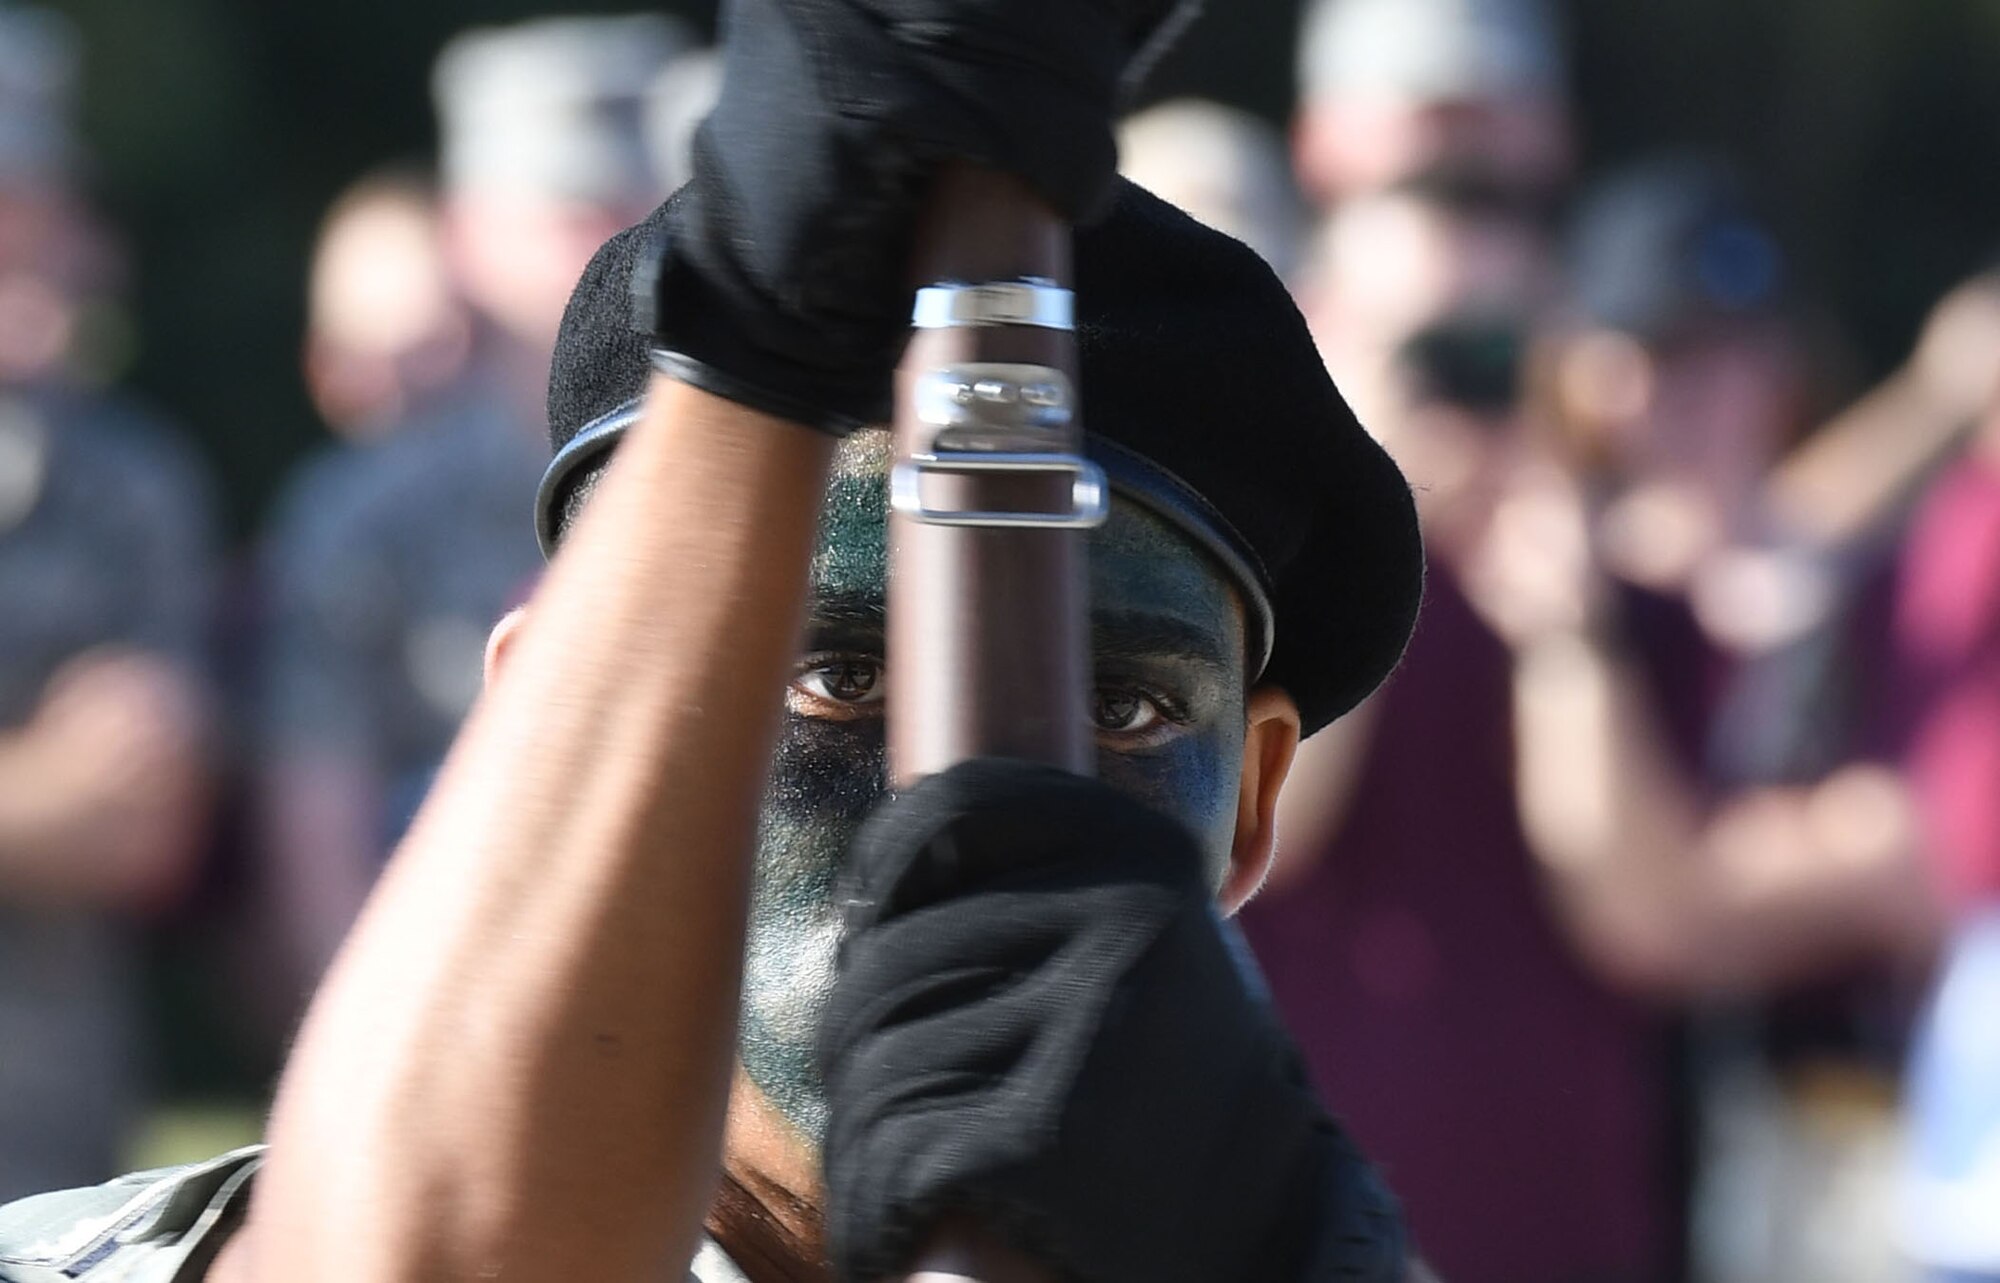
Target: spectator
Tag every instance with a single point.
(1393, 89)
(385, 328)
(104, 566)
(1695, 756)
(1687, 379)
(1224, 166)
(1406, 934)
(1511, 854)
(379, 603)
(1386, 266)
(680, 97)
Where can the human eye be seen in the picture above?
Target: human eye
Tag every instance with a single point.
(836, 687)
(1129, 716)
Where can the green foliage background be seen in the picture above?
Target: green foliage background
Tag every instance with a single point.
(222, 127)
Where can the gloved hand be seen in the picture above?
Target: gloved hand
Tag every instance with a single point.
(783, 281)
(1038, 1022)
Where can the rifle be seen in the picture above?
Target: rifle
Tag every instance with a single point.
(991, 500)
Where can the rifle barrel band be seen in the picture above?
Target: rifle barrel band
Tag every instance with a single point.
(1089, 504)
(1005, 397)
(1033, 302)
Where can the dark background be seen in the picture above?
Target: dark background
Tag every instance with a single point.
(222, 127)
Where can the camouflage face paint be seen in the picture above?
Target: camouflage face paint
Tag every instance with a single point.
(1168, 639)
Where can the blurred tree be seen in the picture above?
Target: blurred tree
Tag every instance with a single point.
(223, 126)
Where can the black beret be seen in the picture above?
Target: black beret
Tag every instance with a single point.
(1205, 401)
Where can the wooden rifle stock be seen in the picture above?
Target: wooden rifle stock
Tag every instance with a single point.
(988, 627)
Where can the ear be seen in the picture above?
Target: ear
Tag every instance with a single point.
(1270, 741)
(501, 640)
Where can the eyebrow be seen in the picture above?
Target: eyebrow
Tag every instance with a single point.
(1142, 634)
(853, 611)
(1114, 634)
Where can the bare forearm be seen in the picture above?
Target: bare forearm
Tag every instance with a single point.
(37, 850)
(520, 1059)
(103, 795)
(1855, 472)
(1602, 809)
(1800, 878)
(1673, 898)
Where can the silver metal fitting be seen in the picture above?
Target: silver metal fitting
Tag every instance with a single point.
(1034, 302)
(1090, 495)
(995, 405)
(991, 416)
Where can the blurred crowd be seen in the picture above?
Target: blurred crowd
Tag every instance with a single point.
(1644, 927)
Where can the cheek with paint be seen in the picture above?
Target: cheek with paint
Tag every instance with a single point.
(1194, 779)
(825, 778)
(1142, 568)
(826, 775)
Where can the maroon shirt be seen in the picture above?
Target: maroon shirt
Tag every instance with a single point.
(1515, 1105)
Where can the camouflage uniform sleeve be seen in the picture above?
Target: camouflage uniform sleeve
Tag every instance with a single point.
(166, 1226)
(161, 1226)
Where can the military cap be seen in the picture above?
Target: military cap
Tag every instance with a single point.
(1435, 50)
(1674, 243)
(39, 62)
(1205, 401)
(1226, 167)
(554, 106)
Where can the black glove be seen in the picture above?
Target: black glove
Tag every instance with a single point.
(1038, 1023)
(783, 282)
